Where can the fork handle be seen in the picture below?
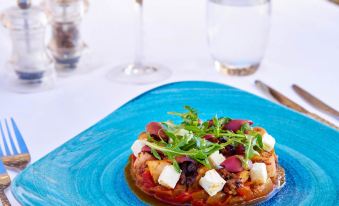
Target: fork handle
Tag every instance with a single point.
(3, 198)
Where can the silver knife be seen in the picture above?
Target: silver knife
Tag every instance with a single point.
(315, 102)
(335, 1)
(282, 99)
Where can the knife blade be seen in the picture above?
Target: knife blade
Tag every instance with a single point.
(335, 1)
(315, 102)
(282, 99)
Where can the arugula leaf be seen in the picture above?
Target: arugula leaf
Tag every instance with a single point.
(171, 157)
(216, 126)
(155, 154)
(245, 127)
(190, 117)
(194, 129)
(176, 166)
(187, 139)
(205, 162)
(249, 147)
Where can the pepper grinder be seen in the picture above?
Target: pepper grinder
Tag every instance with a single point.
(66, 45)
(30, 68)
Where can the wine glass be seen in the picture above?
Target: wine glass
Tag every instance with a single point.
(139, 72)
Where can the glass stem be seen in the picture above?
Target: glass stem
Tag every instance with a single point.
(138, 56)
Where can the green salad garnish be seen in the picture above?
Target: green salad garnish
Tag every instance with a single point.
(189, 138)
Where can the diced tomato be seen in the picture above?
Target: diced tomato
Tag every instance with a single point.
(133, 158)
(245, 192)
(183, 198)
(216, 199)
(147, 179)
(199, 195)
(164, 195)
(179, 189)
(198, 203)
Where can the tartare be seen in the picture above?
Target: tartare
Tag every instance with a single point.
(220, 161)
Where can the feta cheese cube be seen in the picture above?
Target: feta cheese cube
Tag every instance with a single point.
(184, 133)
(258, 173)
(137, 147)
(212, 182)
(268, 142)
(169, 177)
(216, 159)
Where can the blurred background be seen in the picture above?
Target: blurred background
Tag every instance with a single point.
(303, 48)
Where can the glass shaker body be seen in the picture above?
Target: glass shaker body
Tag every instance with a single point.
(30, 68)
(66, 43)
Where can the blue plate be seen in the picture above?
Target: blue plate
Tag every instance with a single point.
(89, 169)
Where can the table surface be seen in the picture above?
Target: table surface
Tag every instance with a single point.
(303, 48)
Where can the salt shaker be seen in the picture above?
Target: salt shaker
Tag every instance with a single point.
(30, 68)
(66, 42)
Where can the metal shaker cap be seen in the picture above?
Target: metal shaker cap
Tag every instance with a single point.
(65, 10)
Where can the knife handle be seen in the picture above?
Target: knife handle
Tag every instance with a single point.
(317, 117)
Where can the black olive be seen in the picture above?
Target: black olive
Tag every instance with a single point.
(189, 172)
(229, 150)
(222, 140)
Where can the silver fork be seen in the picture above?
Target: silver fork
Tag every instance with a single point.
(5, 181)
(17, 158)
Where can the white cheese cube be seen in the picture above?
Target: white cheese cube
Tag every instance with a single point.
(137, 147)
(184, 133)
(216, 159)
(169, 177)
(258, 173)
(212, 182)
(268, 142)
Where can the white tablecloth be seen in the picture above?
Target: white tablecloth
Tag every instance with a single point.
(303, 49)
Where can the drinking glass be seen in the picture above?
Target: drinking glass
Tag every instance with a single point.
(237, 34)
(139, 72)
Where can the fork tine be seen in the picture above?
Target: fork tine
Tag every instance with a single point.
(3, 136)
(5, 142)
(15, 151)
(19, 138)
(2, 168)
